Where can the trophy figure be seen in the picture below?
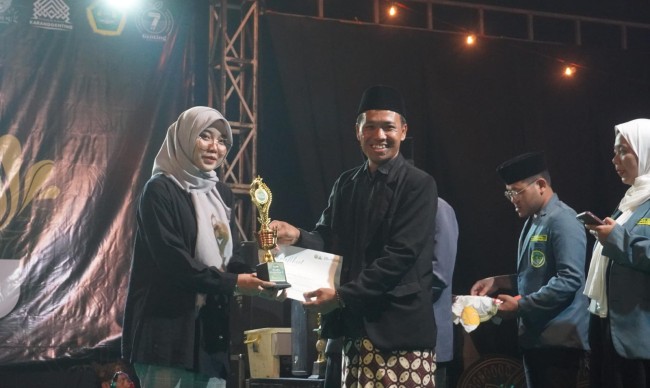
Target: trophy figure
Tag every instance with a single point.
(268, 269)
(318, 370)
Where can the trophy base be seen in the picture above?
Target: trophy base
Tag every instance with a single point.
(279, 286)
(318, 370)
(273, 272)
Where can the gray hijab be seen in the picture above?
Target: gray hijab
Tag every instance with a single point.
(175, 156)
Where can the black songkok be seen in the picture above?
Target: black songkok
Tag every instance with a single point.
(522, 167)
(380, 97)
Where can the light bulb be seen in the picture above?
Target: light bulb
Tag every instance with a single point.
(569, 71)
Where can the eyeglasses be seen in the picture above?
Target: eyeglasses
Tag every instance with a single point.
(511, 194)
(206, 138)
(125, 378)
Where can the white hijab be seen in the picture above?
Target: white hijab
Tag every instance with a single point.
(174, 160)
(637, 134)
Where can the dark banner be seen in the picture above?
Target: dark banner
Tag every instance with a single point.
(86, 94)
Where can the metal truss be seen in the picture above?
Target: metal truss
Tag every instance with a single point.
(233, 79)
(481, 19)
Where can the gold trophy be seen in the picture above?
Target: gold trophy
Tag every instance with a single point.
(319, 366)
(268, 269)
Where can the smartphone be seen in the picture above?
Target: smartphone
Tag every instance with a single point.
(588, 218)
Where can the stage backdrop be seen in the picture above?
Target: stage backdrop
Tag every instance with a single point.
(86, 96)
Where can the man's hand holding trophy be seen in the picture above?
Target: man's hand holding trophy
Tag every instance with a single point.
(268, 269)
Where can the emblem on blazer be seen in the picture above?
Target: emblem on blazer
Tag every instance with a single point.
(537, 258)
(539, 237)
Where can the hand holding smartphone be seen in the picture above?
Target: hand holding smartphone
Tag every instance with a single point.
(588, 218)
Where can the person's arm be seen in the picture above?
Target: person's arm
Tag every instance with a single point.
(492, 284)
(446, 242)
(626, 248)
(317, 239)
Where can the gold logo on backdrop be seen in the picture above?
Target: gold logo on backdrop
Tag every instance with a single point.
(105, 19)
(15, 194)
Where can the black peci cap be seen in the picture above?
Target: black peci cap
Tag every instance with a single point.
(380, 97)
(522, 167)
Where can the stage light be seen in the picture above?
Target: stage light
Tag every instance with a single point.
(470, 39)
(392, 10)
(569, 71)
(122, 5)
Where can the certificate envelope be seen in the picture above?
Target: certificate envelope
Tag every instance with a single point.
(308, 270)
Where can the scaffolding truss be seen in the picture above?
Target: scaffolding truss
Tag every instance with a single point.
(233, 91)
(481, 19)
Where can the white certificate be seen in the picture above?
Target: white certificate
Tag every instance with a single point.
(308, 270)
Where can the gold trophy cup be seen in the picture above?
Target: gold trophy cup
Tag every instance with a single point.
(268, 269)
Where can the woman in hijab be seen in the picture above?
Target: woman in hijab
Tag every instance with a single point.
(618, 282)
(176, 318)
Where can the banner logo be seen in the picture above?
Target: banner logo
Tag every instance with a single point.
(15, 196)
(105, 20)
(155, 22)
(7, 13)
(51, 15)
(4, 5)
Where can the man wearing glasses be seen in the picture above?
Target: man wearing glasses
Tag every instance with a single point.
(548, 301)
